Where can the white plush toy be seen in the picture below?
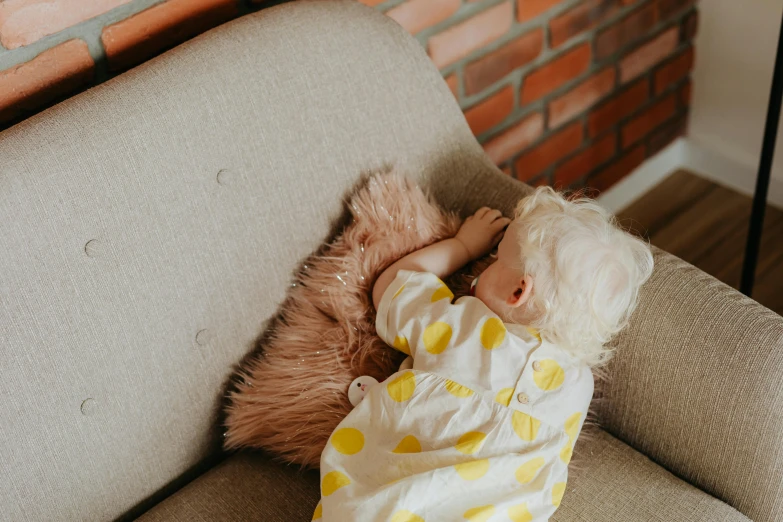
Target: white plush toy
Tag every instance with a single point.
(361, 385)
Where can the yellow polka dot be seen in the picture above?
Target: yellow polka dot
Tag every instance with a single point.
(408, 444)
(473, 470)
(402, 388)
(471, 442)
(437, 337)
(319, 512)
(492, 333)
(401, 343)
(442, 293)
(572, 430)
(525, 426)
(558, 490)
(348, 441)
(405, 516)
(551, 375)
(527, 471)
(457, 390)
(504, 396)
(566, 452)
(519, 513)
(333, 481)
(535, 333)
(572, 425)
(398, 292)
(479, 514)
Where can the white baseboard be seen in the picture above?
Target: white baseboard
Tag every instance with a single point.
(728, 172)
(686, 154)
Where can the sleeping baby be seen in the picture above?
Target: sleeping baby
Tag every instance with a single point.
(480, 425)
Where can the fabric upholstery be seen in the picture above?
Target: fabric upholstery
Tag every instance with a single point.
(613, 483)
(246, 487)
(150, 226)
(697, 385)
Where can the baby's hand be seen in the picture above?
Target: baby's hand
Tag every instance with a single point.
(482, 231)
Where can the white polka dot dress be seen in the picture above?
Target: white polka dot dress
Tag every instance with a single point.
(481, 429)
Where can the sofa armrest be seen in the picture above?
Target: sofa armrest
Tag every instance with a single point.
(697, 385)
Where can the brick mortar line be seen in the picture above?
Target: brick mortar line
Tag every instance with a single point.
(98, 54)
(585, 116)
(459, 71)
(20, 55)
(676, 86)
(681, 49)
(678, 115)
(450, 68)
(618, 154)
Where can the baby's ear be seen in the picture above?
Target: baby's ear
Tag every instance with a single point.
(521, 293)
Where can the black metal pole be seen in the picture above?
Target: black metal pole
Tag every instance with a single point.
(765, 168)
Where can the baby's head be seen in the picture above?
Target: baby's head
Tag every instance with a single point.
(565, 268)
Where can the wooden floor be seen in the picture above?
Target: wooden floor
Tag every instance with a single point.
(707, 224)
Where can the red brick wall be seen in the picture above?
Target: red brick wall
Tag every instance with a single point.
(565, 92)
(571, 93)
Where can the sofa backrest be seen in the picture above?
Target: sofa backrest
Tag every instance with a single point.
(150, 226)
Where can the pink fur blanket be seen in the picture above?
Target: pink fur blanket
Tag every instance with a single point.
(289, 397)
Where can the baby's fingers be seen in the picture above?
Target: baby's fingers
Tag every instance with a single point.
(500, 224)
(480, 213)
(492, 215)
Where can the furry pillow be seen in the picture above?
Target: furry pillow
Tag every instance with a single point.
(291, 394)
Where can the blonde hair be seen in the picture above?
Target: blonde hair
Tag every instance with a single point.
(586, 272)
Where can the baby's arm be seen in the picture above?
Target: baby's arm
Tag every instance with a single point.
(475, 238)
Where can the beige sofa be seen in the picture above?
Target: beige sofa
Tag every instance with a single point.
(150, 226)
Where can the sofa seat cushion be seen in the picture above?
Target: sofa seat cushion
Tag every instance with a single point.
(613, 483)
